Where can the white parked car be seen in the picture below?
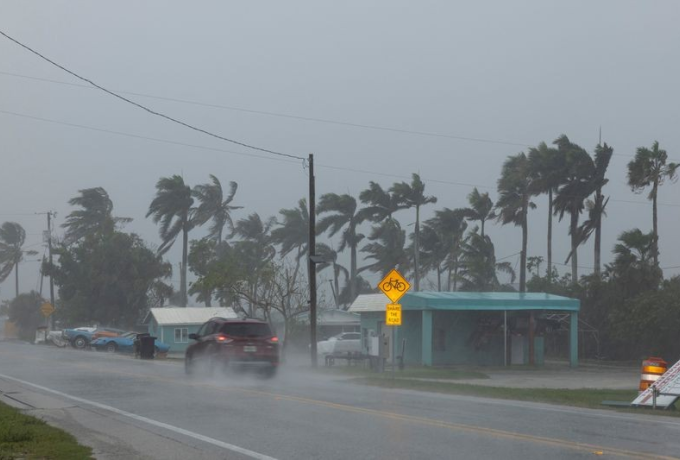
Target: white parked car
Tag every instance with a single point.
(346, 342)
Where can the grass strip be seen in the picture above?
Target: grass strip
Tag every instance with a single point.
(590, 398)
(26, 437)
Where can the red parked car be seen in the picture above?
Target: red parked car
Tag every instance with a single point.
(222, 344)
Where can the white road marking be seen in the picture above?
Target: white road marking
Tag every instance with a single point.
(191, 434)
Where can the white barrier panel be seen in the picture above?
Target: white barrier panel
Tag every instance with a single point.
(668, 389)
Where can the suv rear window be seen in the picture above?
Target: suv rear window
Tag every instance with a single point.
(246, 330)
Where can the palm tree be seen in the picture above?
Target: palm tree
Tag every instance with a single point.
(388, 249)
(293, 233)
(342, 210)
(380, 203)
(172, 207)
(434, 250)
(95, 217)
(413, 196)
(596, 207)
(214, 206)
(330, 259)
(450, 225)
(481, 208)
(12, 239)
(547, 167)
(650, 168)
(571, 196)
(479, 270)
(514, 190)
(633, 264)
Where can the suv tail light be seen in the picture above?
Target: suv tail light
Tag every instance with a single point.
(273, 340)
(224, 339)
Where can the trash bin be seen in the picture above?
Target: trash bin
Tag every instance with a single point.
(147, 346)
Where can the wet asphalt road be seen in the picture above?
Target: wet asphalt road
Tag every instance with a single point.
(128, 408)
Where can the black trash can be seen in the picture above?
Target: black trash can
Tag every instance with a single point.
(147, 346)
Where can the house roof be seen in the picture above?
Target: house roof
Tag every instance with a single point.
(176, 315)
(470, 301)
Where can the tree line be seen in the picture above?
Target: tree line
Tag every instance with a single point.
(258, 265)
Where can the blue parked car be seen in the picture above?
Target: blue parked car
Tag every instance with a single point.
(80, 337)
(124, 344)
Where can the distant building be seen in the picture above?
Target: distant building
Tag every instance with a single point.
(172, 325)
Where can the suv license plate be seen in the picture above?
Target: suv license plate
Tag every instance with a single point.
(249, 349)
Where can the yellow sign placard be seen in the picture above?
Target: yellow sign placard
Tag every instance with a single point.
(393, 314)
(47, 309)
(394, 286)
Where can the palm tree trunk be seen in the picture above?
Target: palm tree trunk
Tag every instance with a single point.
(183, 275)
(455, 275)
(417, 250)
(483, 221)
(574, 247)
(550, 216)
(353, 272)
(439, 278)
(523, 257)
(16, 278)
(336, 281)
(598, 231)
(655, 227)
(448, 281)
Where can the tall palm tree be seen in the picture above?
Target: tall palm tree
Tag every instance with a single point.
(479, 267)
(481, 208)
(596, 208)
(292, 234)
(547, 168)
(95, 217)
(572, 194)
(330, 260)
(380, 203)
(649, 167)
(214, 206)
(12, 239)
(172, 207)
(433, 250)
(450, 226)
(342, 213)
(387, 249)
(514, 192)
(413, 196)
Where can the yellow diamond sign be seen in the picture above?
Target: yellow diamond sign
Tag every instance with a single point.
(393, 314)
(47, 309)
(394, 286)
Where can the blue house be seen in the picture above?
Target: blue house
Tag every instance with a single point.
(468, 328)
(172, 325)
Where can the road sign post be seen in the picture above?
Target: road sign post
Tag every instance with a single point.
(394, 286)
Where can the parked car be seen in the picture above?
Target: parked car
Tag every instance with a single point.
(107, 332)
(233, 344)
(346, 342)
(124, 344)
(82, 336)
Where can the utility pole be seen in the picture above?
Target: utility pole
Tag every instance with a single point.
(312, 265)
(49, 215)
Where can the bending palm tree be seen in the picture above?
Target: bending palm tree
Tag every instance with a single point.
(514, 190)
(481, 208)
(172, 207)
(342, 210)
(450, 225)
(388, 249)
(214, 206)
(380, 203)
(479, 266)
(12, 239)
(434, 250)
(650, 168)
(413, 196)
(547, 171)
(330, 257)
(95, 217)
(293, 233)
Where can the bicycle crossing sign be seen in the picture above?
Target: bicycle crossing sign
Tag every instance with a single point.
(393, 314)
(47, 309)
(394, 286)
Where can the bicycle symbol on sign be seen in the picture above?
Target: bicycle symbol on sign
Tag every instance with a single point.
(394, 283)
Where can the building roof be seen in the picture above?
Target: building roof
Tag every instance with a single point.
(470, 301)
(176, 315)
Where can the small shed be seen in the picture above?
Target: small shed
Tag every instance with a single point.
(472, 328)
(172, 325)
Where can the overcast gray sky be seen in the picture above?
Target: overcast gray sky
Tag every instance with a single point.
(520, 72)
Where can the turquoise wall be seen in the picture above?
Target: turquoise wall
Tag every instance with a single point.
(166, 334)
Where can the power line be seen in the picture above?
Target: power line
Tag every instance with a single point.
(143, 107)
(286, 115)
(326, 166)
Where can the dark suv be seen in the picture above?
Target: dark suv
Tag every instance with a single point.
(227, 343)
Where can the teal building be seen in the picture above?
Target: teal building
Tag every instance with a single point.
(468, 328)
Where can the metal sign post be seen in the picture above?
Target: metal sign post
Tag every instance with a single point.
(394, 286)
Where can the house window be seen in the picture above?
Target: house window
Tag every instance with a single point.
(181, 335)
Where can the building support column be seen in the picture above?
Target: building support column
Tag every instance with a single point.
(427, 338)
(573, 339)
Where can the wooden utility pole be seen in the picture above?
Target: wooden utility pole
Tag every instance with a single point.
(310, 260)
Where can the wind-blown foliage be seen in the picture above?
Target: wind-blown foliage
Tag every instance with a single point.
(481, 208)
(330, 257)
(450, 226)
(479, 266)
(94, 217)
(387, 249)
(12, 239)
(213, 206)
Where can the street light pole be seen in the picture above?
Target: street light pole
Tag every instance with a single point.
(312, 265)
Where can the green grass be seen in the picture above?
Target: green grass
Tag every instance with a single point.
(589, 398)
(26, 437)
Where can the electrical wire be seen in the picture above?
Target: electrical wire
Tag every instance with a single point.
(147, 109)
